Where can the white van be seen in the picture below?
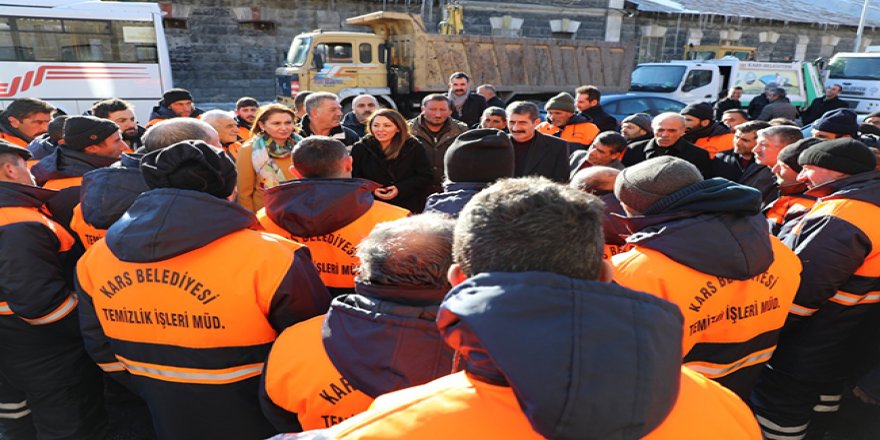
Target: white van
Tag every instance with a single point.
(703, 81)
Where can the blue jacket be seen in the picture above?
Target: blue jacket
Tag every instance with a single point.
(453, 198)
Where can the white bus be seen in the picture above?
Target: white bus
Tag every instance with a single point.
(73, 53)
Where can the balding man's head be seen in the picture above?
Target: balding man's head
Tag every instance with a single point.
(596, 180)
(172, 131)
(668, 128)
(363, 107)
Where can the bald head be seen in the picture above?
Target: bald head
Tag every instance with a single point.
(363, 107)
(595, 179)
(172, 131)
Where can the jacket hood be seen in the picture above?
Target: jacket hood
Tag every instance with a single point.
(312, 207)
(713, 129)
(166, 222)
(577, 387)
(729, 213)
(381, 345)
(64, 163)
(42, 146)
(19, 195)
(864, 187)
(129, 160)
(106, 193)
(453, 198)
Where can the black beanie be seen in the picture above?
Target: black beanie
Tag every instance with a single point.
(789, 155)
(479, 155)
(173, 95)
(82, 131)
(838, 121)
(700, 110)
(56, 128)
(844, 155)
(872, 115)
(192, 165)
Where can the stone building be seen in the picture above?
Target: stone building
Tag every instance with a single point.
(223, 49)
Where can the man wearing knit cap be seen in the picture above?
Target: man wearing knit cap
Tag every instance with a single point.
(175, 103)
(636, 128)
(474, 161)
(89, 143)
(668, 140)
(704, 245)
(832, 319)
(183, 298)
(703, 131)
(326, 202)
(824, 104)
(836, 124)
(42, 357)
(563, 123)
(786, 211)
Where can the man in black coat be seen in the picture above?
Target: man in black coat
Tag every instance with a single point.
(535, 154)
(668, 140)
(731, 102)
(467, 106)
(587, 101)
(488, 92)
(822, 105)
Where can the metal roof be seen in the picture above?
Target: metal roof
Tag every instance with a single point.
(836, 12)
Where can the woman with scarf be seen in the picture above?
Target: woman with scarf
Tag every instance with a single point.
(390, 156)
(264, 160)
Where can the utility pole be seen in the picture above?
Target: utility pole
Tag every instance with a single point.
(861, 26)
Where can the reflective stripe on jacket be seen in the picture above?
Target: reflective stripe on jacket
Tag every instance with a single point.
(730, 326)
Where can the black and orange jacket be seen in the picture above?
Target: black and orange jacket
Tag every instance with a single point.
(786, 211)
(327, 369)
(578, 131)
(39, 334)
(10, 134)
(331, 217)
(714, 138)
(161, 113)
(707, 249)
(183, 299)
(522, 383)
(838, 241)
(105, 194)
(63, 170)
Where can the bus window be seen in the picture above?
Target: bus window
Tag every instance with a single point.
(39, 39)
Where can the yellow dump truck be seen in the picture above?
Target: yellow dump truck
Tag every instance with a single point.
(399, 62)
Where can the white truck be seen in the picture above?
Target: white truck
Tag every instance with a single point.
(703, 81)
(858, 74)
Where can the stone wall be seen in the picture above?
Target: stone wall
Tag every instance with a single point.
(219, 61)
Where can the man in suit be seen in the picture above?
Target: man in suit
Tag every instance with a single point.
(535, 154)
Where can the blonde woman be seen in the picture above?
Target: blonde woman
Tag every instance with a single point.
(264, 160)
(391, 157)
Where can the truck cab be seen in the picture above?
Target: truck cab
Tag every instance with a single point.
(686, 81)
(858, 74)
(344, 63)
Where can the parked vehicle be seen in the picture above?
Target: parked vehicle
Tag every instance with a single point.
(858, 74)
(621, 106)
(699, 81)
(399, 62)
(73, 53)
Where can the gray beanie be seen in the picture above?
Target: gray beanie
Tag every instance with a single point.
(562, 101)
(643, 120)
(644, 184)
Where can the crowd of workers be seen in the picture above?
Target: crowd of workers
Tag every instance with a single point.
(473, 272)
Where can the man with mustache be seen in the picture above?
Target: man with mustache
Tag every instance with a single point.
(122, 113)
